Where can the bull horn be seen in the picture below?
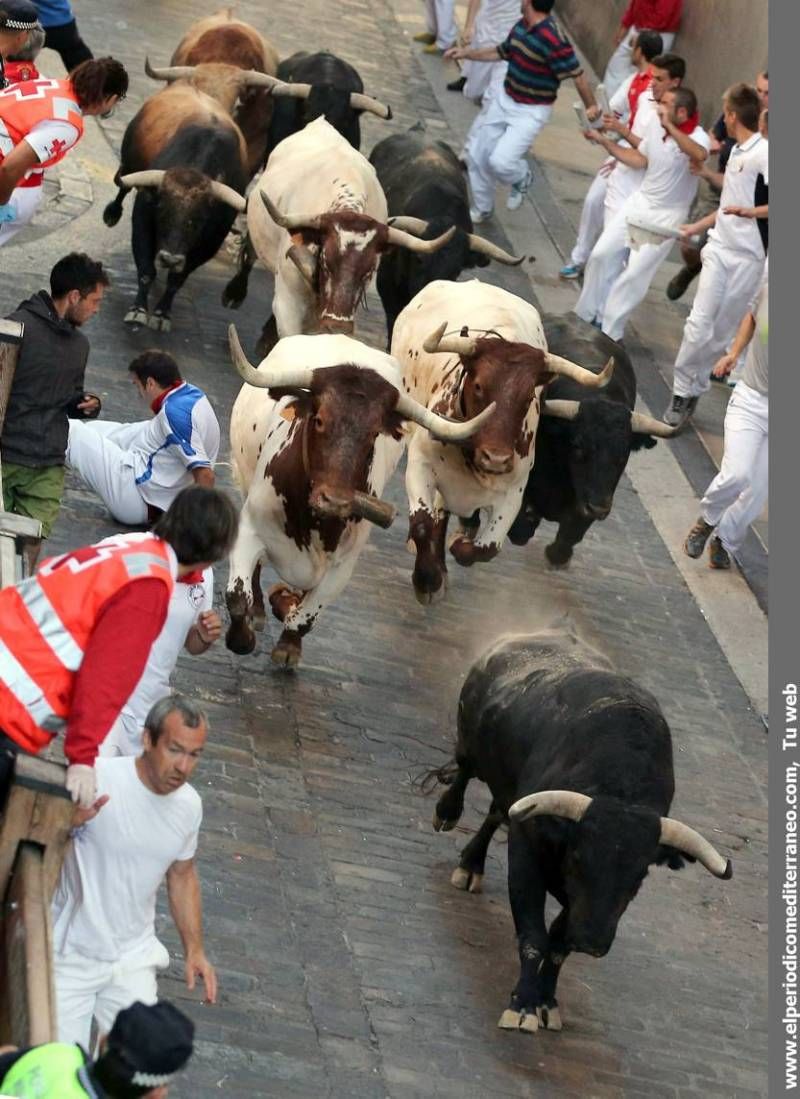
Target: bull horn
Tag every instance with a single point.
(493, 251)
(446, 431)
(691, 843)
(415, 226)
(227, 195)
(283, 90)
(360, 102)
(299, 378)
(254, 79)
(455, 345)
(554, 803)
(170, 73)
(556, 365)
(304, 260)
(289, 221)
(562, 410)
(151, 178)
(646, 425)
(414, 244)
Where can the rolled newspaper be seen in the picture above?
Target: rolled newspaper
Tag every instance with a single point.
(644, 230)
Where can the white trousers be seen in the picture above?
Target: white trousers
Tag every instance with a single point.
(87, 989)
(497, 143)
(620, 66)
(631, 285)
(25, 202)
(483, 78)
(737, 495)
(592, 218)
(605, 265)
(494, 20)
(97, 450)
(727, 285)
(441, 20)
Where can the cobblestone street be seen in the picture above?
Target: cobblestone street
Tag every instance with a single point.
(349, 966)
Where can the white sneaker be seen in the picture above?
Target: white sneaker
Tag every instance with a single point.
(519, 190)
(479, 215)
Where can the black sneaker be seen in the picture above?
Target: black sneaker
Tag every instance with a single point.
(680, 283)
(717, 555)
(457, 85)
(697, 537)
(679, 410)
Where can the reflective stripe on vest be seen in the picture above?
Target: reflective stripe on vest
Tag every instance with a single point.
(28, 693)
(51, 628)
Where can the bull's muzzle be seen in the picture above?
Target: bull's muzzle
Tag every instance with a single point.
(489, 460)
(330, 504)
(171, 261)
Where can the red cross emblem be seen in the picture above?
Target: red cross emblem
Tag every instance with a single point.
(58, 146)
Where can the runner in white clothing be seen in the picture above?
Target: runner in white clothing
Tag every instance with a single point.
(144, 826)
(672, 143)
(733, 258)
(192, 625)
(487, 23)
(138, 469)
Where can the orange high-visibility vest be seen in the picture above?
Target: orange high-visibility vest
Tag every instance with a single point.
(46, 622)
(23, 106)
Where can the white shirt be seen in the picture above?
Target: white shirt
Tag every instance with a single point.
(104, 906)
(668, 186)
(619, 104)
(745, 164)
(624, 180)
(182, 436)
(186, 603)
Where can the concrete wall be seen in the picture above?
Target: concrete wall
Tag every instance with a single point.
(722, 41)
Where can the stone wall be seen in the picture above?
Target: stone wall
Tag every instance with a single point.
(722, 41)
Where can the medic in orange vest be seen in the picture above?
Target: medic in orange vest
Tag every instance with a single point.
(75, 638)
(41, 120)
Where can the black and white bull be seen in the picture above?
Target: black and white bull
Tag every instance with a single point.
(579, 760)
(584, 440)
(426, 194)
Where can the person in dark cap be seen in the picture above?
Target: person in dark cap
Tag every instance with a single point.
(17, 19)
(144, 1050)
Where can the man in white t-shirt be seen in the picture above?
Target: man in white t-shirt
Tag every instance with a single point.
(138, 469)
(672, 143)
(733, 258)
(144, 826)
(190, 624)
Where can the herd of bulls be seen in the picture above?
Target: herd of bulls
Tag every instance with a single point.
(475, 385)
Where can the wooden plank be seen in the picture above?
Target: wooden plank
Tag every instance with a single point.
(9, 565)
(38, 807)
(51, 824)
(14, 828)
(27, 981)
(19, 526)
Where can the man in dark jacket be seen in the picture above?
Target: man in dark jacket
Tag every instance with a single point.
(48, 388)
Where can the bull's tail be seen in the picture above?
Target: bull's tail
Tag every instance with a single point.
(427, 781)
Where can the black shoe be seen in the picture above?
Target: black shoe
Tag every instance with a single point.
(717, 555)
(679, 411)
(680, 283)
(697, 537)
(457, 85)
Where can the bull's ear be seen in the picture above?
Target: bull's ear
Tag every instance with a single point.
(672, 858)
(394, 426)
(642, 442)
(302, 399)
(306, 235)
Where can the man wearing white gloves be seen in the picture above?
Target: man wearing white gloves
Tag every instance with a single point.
(75, 638)
(143, 827)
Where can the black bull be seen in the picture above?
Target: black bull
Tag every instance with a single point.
(579, 462)
(580, 759)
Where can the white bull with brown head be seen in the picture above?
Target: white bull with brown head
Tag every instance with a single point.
(315, 435)
(463, 347)
(317, 220)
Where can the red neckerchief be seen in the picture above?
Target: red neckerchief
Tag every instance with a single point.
(157, 403)
(640, 83)
(195, 577)
(688, 127)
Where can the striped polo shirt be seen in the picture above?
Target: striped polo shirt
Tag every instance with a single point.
(538, 59)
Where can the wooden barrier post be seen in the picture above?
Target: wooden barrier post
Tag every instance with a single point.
(15, 530)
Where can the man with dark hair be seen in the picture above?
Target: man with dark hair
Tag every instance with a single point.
(146, 1047)
(733, 258)
(75, 638)
(139, 468)
(143, 826)
(48, 388)
(663, 16)
(672, 143)
(43, 119)
(623, 106)
(539, 58)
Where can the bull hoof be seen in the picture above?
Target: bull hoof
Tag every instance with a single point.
(509, 1020)
(549, 1018)
(232, 296)
(529, 1023)
(283, 600)
(240, 641)
(112, 214)
(442, 825)
(136, 316)
(259, 620)
(160, 323)
(467, 880)
(556, 557)
(286, 655)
